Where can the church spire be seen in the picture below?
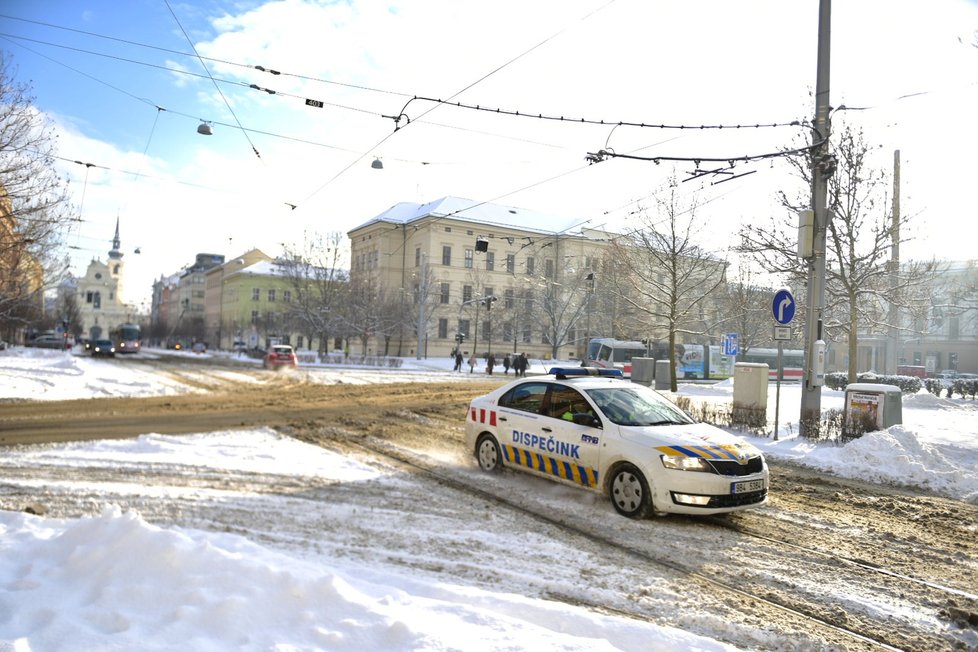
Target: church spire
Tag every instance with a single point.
(115, 254)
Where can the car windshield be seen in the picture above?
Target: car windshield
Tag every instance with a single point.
(637, 406)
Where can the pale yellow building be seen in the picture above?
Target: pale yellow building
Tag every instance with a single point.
(457, 253)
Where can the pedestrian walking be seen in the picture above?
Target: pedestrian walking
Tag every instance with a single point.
(506, 364)
(524, 363)
(490, 363)
(472, 363)
(458, 361)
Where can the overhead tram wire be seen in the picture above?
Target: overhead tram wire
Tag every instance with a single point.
(14, 40)
(216, 86)
(274, 72)
(456, 94)
(188, 54)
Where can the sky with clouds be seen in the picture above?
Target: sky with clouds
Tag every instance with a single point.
(122, 85)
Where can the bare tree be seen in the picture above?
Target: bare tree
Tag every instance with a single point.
(426, 300)
(563, 302)
(319, 285)
(670, 278)
(363, 310)
(35, 210)
(859, 280)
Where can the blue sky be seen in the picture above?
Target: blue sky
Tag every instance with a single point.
(177, 193)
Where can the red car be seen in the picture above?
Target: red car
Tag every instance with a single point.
(280, 355)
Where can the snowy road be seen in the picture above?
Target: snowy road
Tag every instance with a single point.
(409, 499)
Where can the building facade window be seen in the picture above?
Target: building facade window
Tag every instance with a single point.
(548, 268)
(531, 265)
(490, 261)
(417, 256)
(445, 292)
(443, 328)
(468, 259)
(254, 316)
(527, 335)
(271, 295)
(466, 293)
(446, 255)
(463, 327)
(287, 296)
(510, 263)
(508, 296)
(256, 294)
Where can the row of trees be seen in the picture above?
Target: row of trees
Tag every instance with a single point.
(658, 281)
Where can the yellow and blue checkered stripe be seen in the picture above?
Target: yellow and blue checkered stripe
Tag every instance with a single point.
(577, 473)
(730, 452)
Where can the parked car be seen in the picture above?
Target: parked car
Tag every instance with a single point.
(585, 427)
(103, 348)
(280, 355)
(47, 342)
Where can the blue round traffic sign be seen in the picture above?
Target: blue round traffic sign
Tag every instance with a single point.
(783, 307)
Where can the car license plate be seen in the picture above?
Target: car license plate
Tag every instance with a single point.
(746, 487)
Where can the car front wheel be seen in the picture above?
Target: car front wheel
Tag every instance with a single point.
(630, 492)
(488, 453)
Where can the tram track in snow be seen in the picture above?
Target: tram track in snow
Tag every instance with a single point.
(833, 631)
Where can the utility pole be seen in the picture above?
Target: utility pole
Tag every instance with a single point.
(893, 315)
(822, 168)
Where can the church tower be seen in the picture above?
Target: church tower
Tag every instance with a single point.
(116, 266)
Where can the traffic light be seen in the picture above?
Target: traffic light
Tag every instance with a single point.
(459, 337)
(488, 301)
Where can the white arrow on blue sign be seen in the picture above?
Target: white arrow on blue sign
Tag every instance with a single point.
(783, 307)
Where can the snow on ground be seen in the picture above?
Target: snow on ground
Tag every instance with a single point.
(97, 582)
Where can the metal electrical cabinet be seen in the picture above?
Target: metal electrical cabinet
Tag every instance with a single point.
(872, 406)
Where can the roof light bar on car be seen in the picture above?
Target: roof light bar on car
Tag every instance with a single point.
(566, 372)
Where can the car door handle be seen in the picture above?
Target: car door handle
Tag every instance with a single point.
(546, 429)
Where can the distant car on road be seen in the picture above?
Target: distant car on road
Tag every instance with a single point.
(103, 348)
(280, 355)
(47, 342)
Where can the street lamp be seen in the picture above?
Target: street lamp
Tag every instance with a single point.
(587, 328)
(489, 301)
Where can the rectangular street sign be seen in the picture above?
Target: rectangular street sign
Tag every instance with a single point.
(782, 333)
(729, 343)
(316, 103)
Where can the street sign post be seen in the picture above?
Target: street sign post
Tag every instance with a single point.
(783, 308)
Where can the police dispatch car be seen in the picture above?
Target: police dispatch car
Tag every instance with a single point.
(591, 428)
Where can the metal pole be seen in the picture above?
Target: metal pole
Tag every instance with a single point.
(893, 316)
(777, 391)
(811, 397)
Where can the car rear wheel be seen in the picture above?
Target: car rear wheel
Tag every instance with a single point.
(488, 454)
(630, 492)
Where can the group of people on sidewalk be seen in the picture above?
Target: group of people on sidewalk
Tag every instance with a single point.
(518, 362)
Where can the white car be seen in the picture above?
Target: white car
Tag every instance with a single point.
(592, 428)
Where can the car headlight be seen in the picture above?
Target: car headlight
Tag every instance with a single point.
(683, 463)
